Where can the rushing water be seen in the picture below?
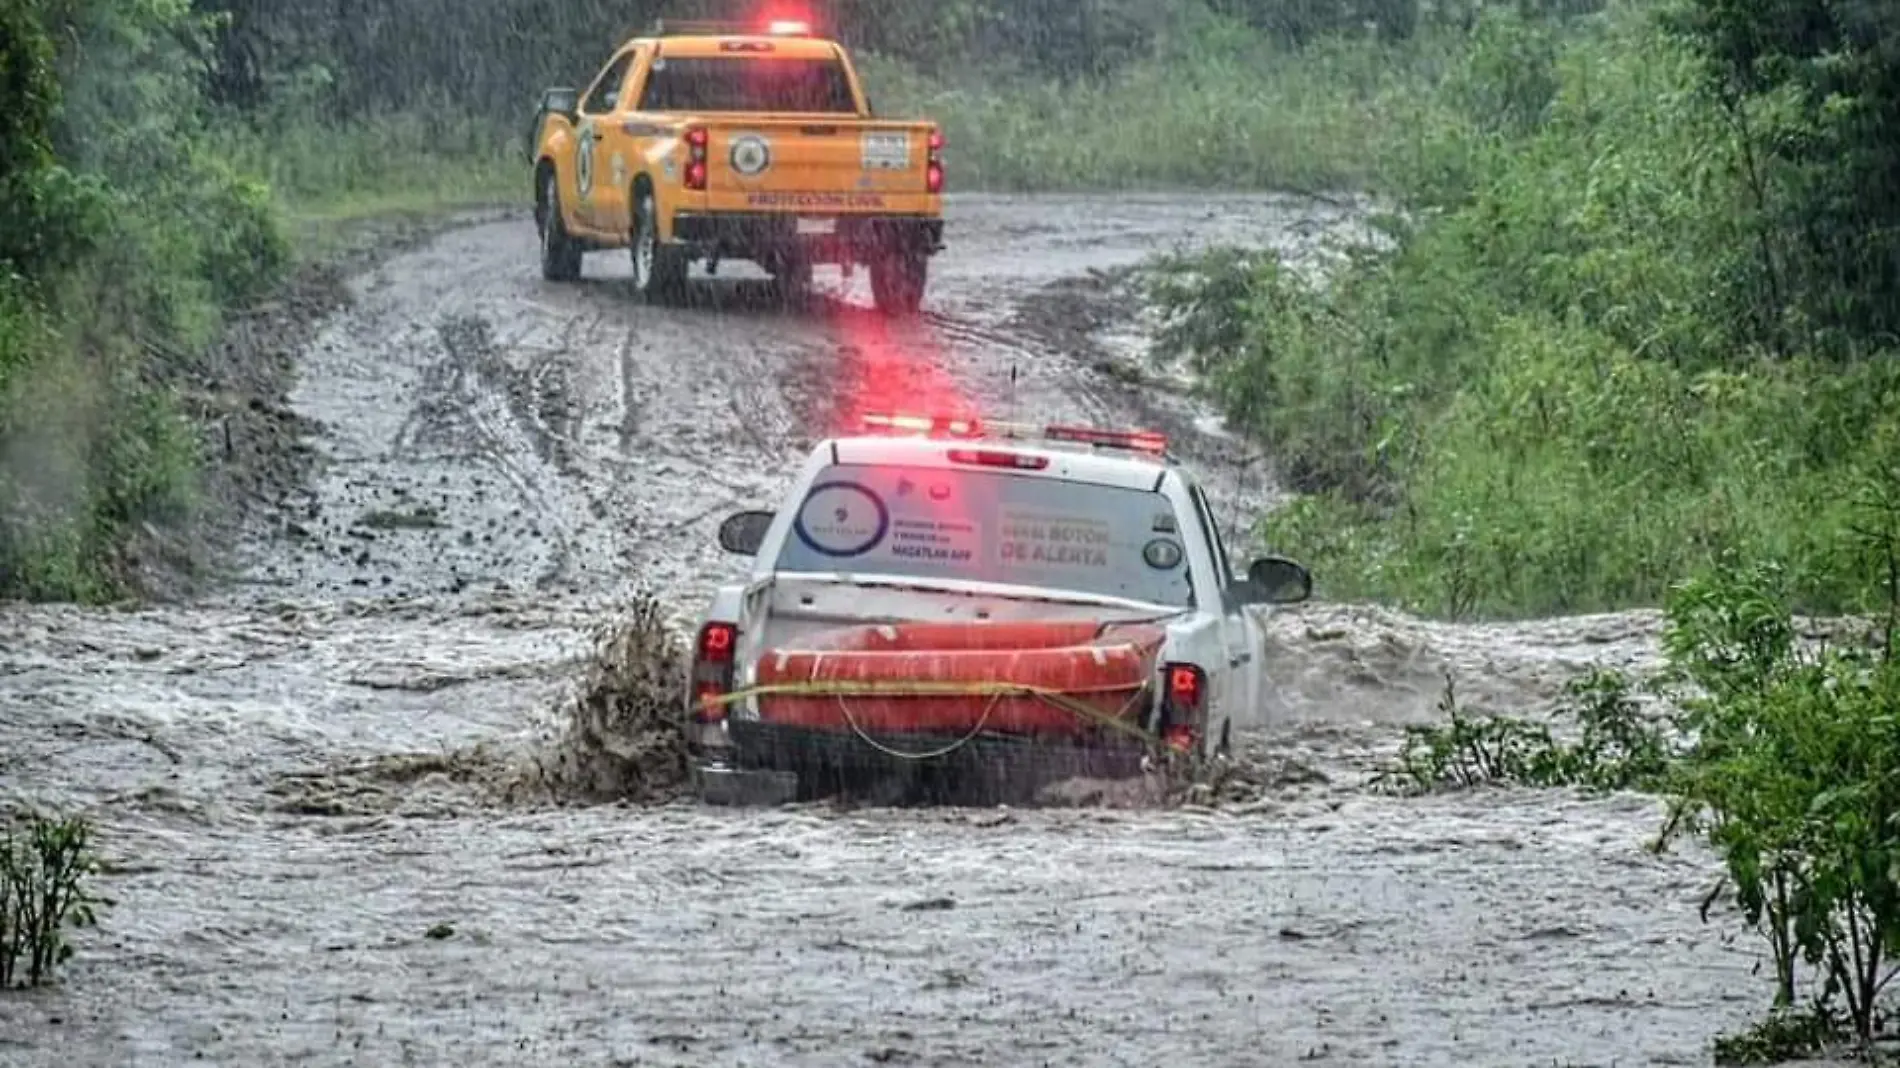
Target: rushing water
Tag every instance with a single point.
(306, 867)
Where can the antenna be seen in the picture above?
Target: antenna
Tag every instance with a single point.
(1242, 483)
(1013, 411)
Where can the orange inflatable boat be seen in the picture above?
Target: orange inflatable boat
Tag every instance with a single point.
(1105, 667)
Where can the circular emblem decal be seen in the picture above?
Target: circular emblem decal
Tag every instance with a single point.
(750, 155)
(842, 519)
(584, 158)
(1161, 554)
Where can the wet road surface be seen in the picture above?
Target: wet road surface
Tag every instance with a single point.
(286, 777)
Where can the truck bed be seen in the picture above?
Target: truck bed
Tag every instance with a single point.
(798, 165)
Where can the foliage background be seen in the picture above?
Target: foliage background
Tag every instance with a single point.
(1636, 322)
(1641, 318)
(1637, 317)
(156, 156)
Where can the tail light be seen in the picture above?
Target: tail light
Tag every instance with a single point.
(696, 141)
(1183, 702)
(712, 670)
(933, 169)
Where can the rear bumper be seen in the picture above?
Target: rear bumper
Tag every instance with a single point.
(767, 235)
(808, 751)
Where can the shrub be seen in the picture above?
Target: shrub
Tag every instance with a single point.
(1558, 389)
(138, 234)
(1795, 780)
(44, 868)
(1612, 744)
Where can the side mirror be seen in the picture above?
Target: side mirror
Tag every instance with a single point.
(743, 532)
(1277, 580)
(561, 101)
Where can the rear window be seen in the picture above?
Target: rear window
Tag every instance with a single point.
(988, 526)
(748, 83)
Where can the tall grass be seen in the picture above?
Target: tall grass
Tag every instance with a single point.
(419, 160)
(160, 212)
(1551, 398)
(1219, 109)
(1211, 111)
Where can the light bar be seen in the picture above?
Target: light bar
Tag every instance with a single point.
(695, 27)
(1152, 442)
(729, 28)
(926, 424)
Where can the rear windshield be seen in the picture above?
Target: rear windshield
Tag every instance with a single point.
(748, 83)
(989, 526)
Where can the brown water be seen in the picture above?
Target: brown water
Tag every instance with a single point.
(287, 776)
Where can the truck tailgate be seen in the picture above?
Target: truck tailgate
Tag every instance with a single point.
(817, 164)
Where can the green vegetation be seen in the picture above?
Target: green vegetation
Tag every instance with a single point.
(1634, 320)
(1631, 320)
(44, 868)
(1215, 108)
(123, 235)
(1617, 747)
(1631, 343)
(1794, 778)
(1781, 755)
(1784, 759)
(139, 211)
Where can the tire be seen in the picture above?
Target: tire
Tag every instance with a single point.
(560, 253)
(897, 282)
(659, 271)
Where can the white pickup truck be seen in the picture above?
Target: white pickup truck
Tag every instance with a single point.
(953, 594)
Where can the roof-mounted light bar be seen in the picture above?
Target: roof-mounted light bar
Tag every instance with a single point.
(932, 425)
(1151, 442)
(728, 28)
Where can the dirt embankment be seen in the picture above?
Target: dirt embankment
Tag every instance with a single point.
(256, 446)
(308, 782)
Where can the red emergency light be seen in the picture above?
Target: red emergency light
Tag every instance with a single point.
(1152, 442)
(788, 28)
(936, 425)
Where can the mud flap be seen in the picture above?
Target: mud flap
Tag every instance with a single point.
(722, 784)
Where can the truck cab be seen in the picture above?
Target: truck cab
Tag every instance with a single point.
(939, 582)
(710, 141)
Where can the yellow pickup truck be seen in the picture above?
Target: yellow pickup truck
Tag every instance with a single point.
(714, 141)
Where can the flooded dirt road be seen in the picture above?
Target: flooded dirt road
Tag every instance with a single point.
(305, 871)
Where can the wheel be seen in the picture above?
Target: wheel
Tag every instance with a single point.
(659, 272)
(560, 253)
(897, 282)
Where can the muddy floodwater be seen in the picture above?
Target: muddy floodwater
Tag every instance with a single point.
(305, 869)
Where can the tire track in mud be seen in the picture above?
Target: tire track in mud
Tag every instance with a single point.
(456, 413)
(569, 447)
